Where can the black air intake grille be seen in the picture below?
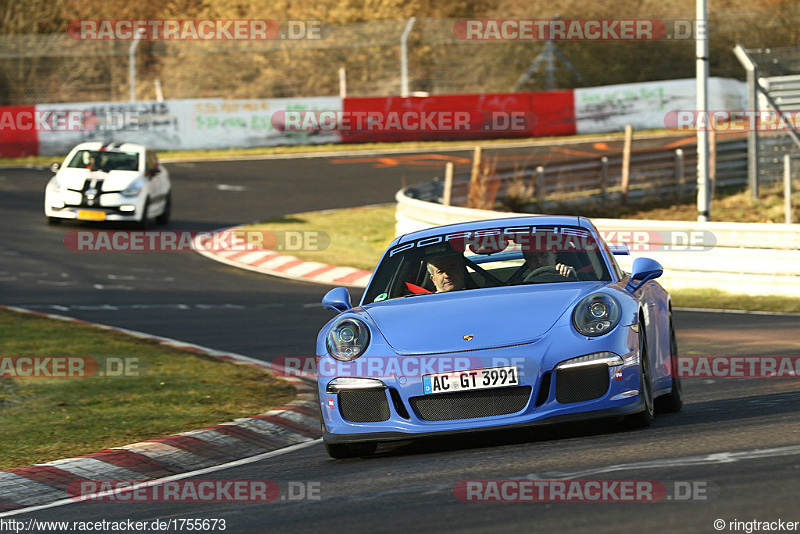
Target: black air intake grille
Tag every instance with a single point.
(364, 405)
(469, 404)
(581, 384)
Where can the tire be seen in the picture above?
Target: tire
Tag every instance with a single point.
(673, 402)
(341, 451)
(164, 217)
(142, 225)
(645, 417)
(54, 220)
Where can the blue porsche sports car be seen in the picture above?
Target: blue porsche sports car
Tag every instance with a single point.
(495, 324)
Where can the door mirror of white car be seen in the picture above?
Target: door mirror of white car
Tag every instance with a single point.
(644, 269)
(55, 167)
(337, 299)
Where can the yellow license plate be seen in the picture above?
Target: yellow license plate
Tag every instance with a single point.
(88, 215)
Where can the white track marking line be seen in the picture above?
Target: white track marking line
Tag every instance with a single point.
(237, 463)
(738, 312)
(118, 287)
(229, 187)
(714, 458)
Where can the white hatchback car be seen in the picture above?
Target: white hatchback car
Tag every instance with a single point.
(109, 182)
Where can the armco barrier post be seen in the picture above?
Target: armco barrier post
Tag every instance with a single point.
(680, 177)
(342, 82)
(476, 189)
(603, 177)
(447, 194)
(712, 156)
(626, 162)
(787, 187)
(540, 194)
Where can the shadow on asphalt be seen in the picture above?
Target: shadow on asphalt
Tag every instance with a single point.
(707, 412)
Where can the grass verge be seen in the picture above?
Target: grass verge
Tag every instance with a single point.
(727, 206)
(359, 237)
(712, 298)
(45, 419)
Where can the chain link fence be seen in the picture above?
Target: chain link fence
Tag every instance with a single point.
(56, 68)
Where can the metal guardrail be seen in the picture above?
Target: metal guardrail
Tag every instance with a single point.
(749, 258)
(772, 147)
(653, 173)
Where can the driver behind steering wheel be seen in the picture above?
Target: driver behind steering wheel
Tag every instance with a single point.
(542, 267)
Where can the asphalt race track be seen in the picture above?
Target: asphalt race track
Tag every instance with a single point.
(738, 438)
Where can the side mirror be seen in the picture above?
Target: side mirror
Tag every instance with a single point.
(644, 269)
(337, 299)
(55, 166)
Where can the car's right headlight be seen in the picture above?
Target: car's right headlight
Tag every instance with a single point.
(348, 339)
(132, 190)
(596, 315)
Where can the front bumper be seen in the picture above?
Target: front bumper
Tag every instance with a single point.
(115, 206)
(546, 403)
(620, 411)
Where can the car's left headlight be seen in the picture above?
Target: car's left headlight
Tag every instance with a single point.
(348, 339)
(596, 315)
(597, 358)
(132, 190)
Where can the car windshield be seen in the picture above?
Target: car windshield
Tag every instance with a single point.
(488, 258)
(99, 160)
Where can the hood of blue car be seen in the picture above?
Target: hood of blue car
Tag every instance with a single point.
(494, 318)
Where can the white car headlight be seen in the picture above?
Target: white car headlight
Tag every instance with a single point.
(54, 185)
(596, 315)
(133, 190)
(598, 358)
(348, 339)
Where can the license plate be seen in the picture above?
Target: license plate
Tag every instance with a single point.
(89, 215)
(494, 377)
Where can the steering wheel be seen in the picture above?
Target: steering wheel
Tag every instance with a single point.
(548, 272)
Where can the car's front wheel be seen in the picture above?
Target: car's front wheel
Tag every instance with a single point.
(350, 450)
(645, 417)
(144, 221)
(673, 402)
(165, 215)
